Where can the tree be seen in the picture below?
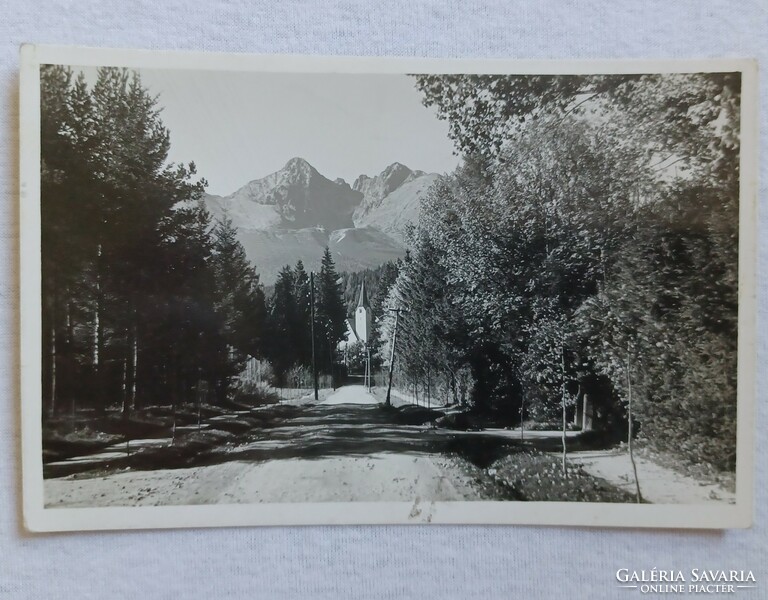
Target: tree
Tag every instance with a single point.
(302, 335)
(125, 247)
(184, 334)
(330, 313)
(280, 350)
(61, 260)
(597, 195)
(239, 303)
(137, 192)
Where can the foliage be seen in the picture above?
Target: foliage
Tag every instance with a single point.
(588, 243)
(145, 301)
(290, 320)
(330, 312)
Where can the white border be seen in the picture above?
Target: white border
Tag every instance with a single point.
(38, 518)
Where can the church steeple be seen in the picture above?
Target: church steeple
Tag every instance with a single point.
(363, 316)
(362, 301)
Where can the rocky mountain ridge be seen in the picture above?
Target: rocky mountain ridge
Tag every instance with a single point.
(296, 211)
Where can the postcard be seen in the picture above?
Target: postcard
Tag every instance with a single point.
(285, 290)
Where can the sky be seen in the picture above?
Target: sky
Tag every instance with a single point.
(240, 126)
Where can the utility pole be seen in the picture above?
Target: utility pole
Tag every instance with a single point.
(368, 366)
(312, 328)
(397, 312)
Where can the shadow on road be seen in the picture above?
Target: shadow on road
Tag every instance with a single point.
(319, 431)
(310, 431)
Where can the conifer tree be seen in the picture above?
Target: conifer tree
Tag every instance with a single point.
(330, 314)
(302, 330)
(115, 218)
(239, 302)
(282, 310)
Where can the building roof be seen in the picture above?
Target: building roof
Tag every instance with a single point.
(363, 299)
(351, 333)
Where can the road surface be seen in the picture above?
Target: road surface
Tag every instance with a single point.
(350, 394)
(346, 448)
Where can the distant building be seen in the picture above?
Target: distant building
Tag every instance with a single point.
(359, 329)
(363, 316)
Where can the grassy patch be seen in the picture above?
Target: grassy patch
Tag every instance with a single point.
(538, 476)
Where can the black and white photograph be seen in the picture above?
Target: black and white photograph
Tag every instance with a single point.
(458, 293)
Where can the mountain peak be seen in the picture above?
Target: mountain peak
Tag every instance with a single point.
(298, 196)
(360, 181)
(395, 166)
(384, 183)
(295, 197)
(341, 181)
(298, 164)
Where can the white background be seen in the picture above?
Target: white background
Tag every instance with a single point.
(360, 562)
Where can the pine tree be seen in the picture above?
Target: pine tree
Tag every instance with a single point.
(185, 338)
(302, 337)
(239, 303)
(330, 314)
(106, 193)
(282, 314)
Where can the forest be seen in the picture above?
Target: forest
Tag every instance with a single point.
(147, 301)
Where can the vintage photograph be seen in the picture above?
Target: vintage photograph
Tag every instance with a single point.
(434, 288)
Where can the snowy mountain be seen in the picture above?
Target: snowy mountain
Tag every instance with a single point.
(295, 212)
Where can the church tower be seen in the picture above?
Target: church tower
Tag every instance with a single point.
(363, 316)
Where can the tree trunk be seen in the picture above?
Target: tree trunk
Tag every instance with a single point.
(330, 358)
(134, 363)
(562, 372)
(98, 336)
(638, 495)
(53, 347)
(174, 393)
(312, 329)
(392, 358)
(124, 383)
(69, 345)
(53, 366)
(70, 327)
(201, 390)
(429, 388)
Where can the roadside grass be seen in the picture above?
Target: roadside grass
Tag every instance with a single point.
(538, 476)
(188, 427)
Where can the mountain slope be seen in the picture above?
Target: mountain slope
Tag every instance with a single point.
(295, 212)
(353, 249)
(399, 208)
(294, 197)
(375, 189)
